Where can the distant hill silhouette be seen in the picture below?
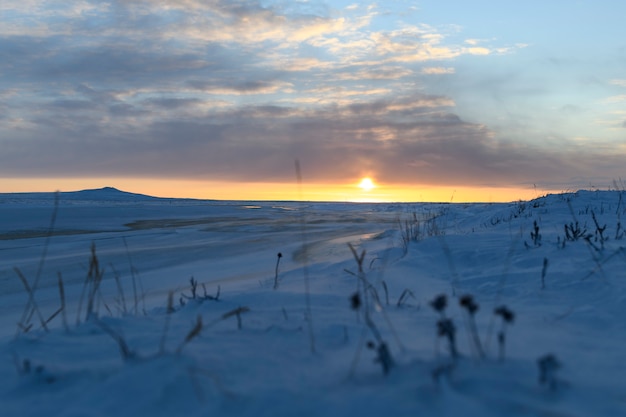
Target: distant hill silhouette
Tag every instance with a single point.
(106, 193)
(97, 194)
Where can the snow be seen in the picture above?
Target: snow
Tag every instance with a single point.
(287, 359)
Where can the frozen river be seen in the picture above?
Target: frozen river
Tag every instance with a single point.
(164, 242)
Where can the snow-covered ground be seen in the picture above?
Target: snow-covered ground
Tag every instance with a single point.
(319, 344)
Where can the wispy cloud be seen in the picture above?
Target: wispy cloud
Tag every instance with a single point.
(616, 99)
(438, 70)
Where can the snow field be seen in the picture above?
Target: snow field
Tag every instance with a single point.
(267, 367)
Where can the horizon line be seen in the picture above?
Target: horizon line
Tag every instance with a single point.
(354, 201)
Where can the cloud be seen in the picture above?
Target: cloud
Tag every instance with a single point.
(404, 140)
(376, 73)
(437, 70)
(239, 89)
(247, 22)
(300, 64)
(615, 99)
(225, 87)
(477, 50)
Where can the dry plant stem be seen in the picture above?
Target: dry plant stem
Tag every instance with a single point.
(358, 258)
(305, 269)
(451, 337)
(170, 310)
(358, 291)
(544, 269)
(405, 294)
(548, 366)
(373, 328)
(31, 301)
(124, 349)
(476, 339)
(386, 292)
(599, 230)
(361, 279)
(194, 332)
(80, 302)
(63, 305)
(393, 330)
(120, 290)
(29, 309)
(448, 254)
(367, 286)
(507, 317)
(94, 277)
(53, 315)
(90, 286)
(588, 244)
(357, 354)
(280, 255)
(619, 251)
(236, 312)
(468, 303)
(501, 285)
(136, 280)
(502, 344)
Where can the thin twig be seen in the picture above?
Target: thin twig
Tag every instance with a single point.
(31, 300)
(194, 332)
(169, 311)
(305, 269)
(124, 349)
(62, 296)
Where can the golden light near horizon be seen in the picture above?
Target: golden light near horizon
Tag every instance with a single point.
(273, 191)
(367, 184)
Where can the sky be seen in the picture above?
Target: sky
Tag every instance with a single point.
(434, 100)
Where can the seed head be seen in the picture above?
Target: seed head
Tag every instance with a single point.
(507, 315)
(445, 327)
(355, 301)
(467, 301)
(439, 303)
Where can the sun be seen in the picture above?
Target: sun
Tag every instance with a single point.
(367, 184)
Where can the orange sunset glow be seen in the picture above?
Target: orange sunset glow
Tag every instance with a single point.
(358, 191)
